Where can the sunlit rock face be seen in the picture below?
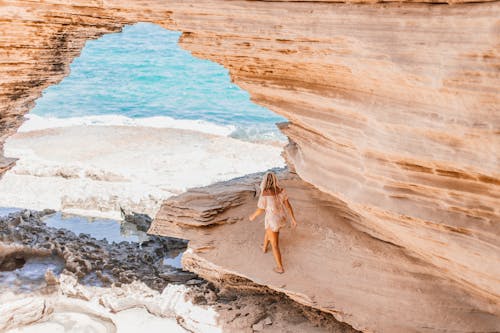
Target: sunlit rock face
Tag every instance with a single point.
(329, 263)
(394, 108)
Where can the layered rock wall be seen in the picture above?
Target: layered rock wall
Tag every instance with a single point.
(329, 264)
(393, 107)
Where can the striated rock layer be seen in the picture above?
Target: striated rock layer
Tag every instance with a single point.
(329, 264)
(393, 107)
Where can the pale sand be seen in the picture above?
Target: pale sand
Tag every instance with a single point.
(95, 170)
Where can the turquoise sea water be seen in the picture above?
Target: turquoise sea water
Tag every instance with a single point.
(143, 73)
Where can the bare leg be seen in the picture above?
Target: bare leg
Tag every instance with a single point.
(266, 242)
(274, 239)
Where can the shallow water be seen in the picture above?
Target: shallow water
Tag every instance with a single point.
(31, 275)
(5, 211)
(174, 262)
(99, 228)
(109, 229)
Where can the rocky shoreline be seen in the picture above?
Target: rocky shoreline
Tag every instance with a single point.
(99, 277)
(54, 170)
(393, 110)
(111, 263)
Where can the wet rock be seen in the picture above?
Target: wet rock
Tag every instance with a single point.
(86, 258)
(141, 221)
(12, 263)
(194, 282)
(26, 214)
(50, 278)
(199, 299)
(46, 212)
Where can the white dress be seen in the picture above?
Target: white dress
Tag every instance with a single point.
(275, 210)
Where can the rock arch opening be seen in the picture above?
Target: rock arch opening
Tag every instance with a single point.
(137, 120)
(374, 92)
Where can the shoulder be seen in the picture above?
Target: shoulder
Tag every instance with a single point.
(268, 193)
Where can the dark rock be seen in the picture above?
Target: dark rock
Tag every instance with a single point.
(84, 256)
(11, 263)
(200, 300)
(194, 282)
(141, 221)
(46, 212)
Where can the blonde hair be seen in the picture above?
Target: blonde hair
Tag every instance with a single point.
(270, 183)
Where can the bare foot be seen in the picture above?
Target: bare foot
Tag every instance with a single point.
(279, 270)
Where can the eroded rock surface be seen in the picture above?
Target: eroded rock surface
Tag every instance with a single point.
(71, 306)
(330, 264)
(118, 286)
(393, 107)
(24, 234)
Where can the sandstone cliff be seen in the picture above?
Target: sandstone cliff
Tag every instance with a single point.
(330, 265)
(393, 107)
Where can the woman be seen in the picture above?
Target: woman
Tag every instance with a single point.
(274, 201)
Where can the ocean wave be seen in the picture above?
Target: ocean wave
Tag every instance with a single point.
(259, 133)
(36, 122)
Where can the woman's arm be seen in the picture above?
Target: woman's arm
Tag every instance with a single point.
(289, 207)
(256, 213)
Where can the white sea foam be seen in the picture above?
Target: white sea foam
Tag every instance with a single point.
(36, 122)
